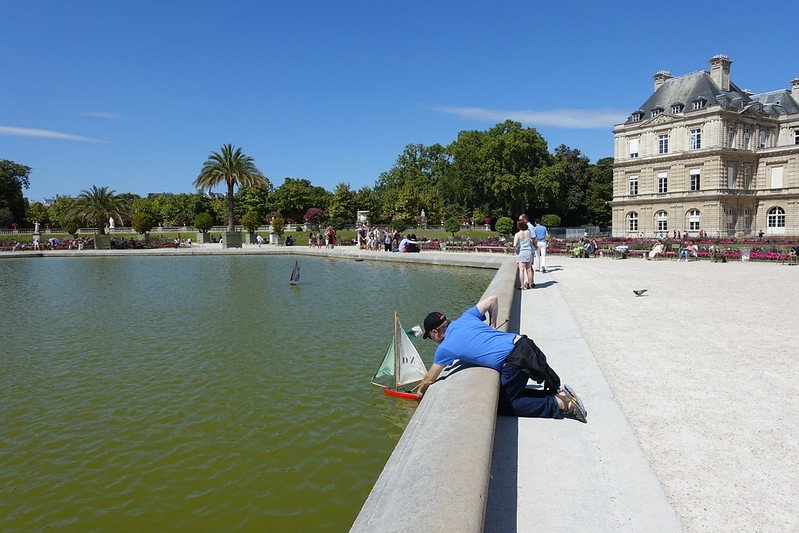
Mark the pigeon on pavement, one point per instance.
(639, 292)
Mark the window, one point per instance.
(662, 221)
(663, 182)
(730, 136)
(636, 117)
(676, 108)
(796, 137)
(633, 148)
(747, 220)
(696, 139)
(775, 218)
(632, 221)
(747, 177)
(776, 177)
(693, 220)
(730, 219)
(663, 143)
(694, 179)
(699, 104)
(763, 138)
(656, 112)
(730, 177)
(633, 185)
(747, 137)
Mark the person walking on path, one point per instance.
(514, 356)
(540, 232)
(523, 244)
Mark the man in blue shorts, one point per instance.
(515, 357)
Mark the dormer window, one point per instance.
(636, 117)
(676, 108)
(656, 112)
(699, 104)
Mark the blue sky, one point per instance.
(136, 95)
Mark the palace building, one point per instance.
(701, 154)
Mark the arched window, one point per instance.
(632, 221)
(775, 220)
(662, 221)
(693, 220)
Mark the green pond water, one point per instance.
(153, 393)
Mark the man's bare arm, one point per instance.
(429, 378)
(490, 307)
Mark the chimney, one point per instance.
(720, 71)
(795, 89)
(660, 77)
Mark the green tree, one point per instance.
(36, 212)
(575, 178)
(5, 217)
(142, 222)
(366, 199)
(296, 196)
(504, 225)
(494, 169)
(96, 206)
(233, 168)
(452, 225)
(251, 220)
(600, 192)
(204, 222)
(13, 178)
(342, 203)
(254, 199)
(58, 212)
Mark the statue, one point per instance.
(111, 222)
(36, 227)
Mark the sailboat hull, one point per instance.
(400, 394)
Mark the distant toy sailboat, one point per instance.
(401, 364)
(295, 274)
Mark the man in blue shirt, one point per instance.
(541, 251)
(515, 357)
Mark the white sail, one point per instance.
(401, 361)
(410, 364)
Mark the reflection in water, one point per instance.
(187, 391)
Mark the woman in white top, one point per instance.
(523, 244)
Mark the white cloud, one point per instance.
(12, 131)
(102, 114)
(555, 118)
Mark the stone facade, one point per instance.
(703, 155)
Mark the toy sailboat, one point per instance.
(401, 365)
(295, 274)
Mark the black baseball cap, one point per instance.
(431, 322)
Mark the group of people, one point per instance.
(529, 243)
(376, 238)
(317, 239)
(686, 252)
(584, 248)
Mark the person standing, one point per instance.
(540, 232)
(515, 357)
(523, 244)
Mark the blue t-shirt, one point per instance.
(471, 340)
(540, 232)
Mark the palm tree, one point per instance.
(97, 205)
(234, 168)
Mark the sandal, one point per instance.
(572, 405)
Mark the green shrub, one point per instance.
(203, 222)
(337, 223)
(278, 226)
(398, 225)
(70, 227)
(551, 221)
(452, 225)
(504, 226)
(250, 220)
(142, 222)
